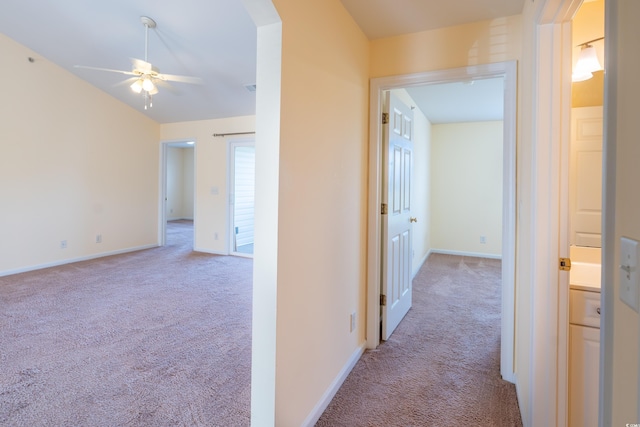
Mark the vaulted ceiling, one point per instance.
(214, 40)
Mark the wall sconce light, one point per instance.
(587, 62)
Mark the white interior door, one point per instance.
(396, 222)
(585, 192)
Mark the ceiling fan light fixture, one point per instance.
(148, 85)
(137, 86)
(144, 72)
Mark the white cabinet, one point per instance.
(584, 358)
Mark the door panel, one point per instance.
(397, 229)
(586, 176)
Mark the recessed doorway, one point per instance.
(507, 71)
(178, 185)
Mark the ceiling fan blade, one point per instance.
(127, 82)
(144, 66)
(128, 73)
(165, 85)
(181, 79)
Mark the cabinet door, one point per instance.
(584, 365)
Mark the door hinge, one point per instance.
(385, 118)
(383, 300)
(384, 209)
(565, 264)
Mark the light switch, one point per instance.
(629, 272)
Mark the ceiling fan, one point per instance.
(146, 78)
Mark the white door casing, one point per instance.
(508, 70)
(396, 223)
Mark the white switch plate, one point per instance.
(629, 272)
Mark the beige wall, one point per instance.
(624, 140)
(466, 197)
(75, 163)
(180, 180)
(471, 44)
(211, 214)
(588, 24)
(322, 201)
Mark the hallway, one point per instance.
(442, 365)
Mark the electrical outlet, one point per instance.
(353, 321)
(98, 238)
(483, 240)
(63, 244)
(215, 236)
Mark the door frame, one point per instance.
(231, 144)
(549, 297)
(507, 70)
(162, 202)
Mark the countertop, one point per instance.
(585, 276)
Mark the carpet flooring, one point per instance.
(162, 337)
(441, 367)
(152, 338)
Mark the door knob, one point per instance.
(413, 219)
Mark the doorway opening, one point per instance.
(242, 178)
(507, 72)
(178, 185)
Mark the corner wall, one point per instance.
(322, 204)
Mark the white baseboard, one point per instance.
(417, 267)
(319, 409)
(72, 260)
(209, 251)
(462, 253)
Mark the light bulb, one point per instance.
(148, 85)
(586, 65)
(136, 86)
